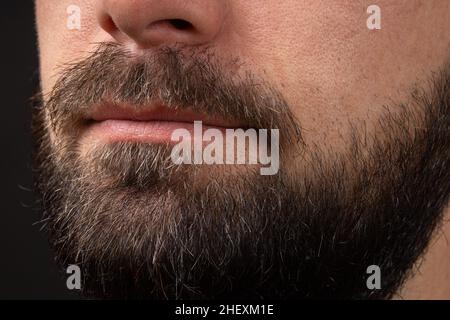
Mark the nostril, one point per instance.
(181, 24)
(171, 24)
(108, 24)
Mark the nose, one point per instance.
(149, 23)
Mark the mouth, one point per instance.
(154, 124)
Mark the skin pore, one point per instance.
(330, 69)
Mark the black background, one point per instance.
(27, 270)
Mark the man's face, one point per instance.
(364, 161)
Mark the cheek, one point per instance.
(303, 48)
(58, 43)
(331, 68)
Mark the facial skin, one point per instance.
(334, 80)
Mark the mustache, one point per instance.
(179, 78)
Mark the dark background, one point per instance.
(27, 270)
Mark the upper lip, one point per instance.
(155, 112)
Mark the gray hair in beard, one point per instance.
(240, 236)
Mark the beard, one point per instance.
(140, 227)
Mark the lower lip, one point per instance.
(139, 131)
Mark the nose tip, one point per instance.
(149, 23)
